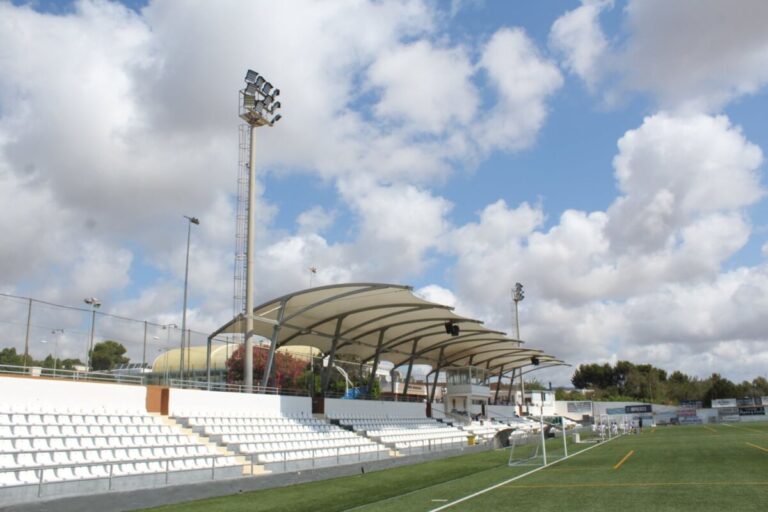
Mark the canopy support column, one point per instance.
(208, 360)
(331, 357)
(511, 386)
(410, 367)
(437, 373)
(498, 385)
(273, 347)
(375, 365)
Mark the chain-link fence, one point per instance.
(40, 329)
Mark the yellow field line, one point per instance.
(711, 429)
(627, 484)
(622, 461)
(758, 447)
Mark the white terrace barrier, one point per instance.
(47, 452)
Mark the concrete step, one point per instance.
(248, 469)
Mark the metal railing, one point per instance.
(231, 388)
(433, 445)
(316, 455)
(58, 373)
(40, 471)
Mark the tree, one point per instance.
(719, 387)
(288, 369)
(535, 385)
(594, 376)
(107, 354)
(10, 357)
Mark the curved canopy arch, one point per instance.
(375, 321)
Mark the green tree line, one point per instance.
(105, 355)
(626, 381)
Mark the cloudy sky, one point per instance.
(609, 155)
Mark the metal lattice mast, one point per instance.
(257, 108)
(241, 227)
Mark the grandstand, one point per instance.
(62, 438)
(76, 435)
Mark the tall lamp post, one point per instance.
(195, 221)
(168, 328)
(95, 304)
(58, 333)
(517, 296)
(257, 108)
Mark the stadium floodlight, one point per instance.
(518, 293)
(196, 222)
(251, 90)
(95, 304)
(257, 108)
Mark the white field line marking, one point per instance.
(392, 498)
(518, 477)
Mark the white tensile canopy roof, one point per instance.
(383, 322)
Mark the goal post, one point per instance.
(531, 448)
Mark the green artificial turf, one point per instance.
(691, 468)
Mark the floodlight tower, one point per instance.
(257, 108)
(517, 296)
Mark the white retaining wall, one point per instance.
(191, 400)
(60, 394)
(335, 407)
(501, 411)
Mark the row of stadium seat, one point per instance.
(243, 420)
(194, 413)
(262, 429)
(409, 433)
(83, 430)
(387, 421)
(76, 443)
(47, 409)
(273, 438)
(58, 458)
(486, 430)
(75, 419)
(423, 431)
(94, 471)
(373, 417)
(303, 445)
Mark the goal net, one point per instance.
(546, 442)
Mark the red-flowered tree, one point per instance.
(288, 368)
